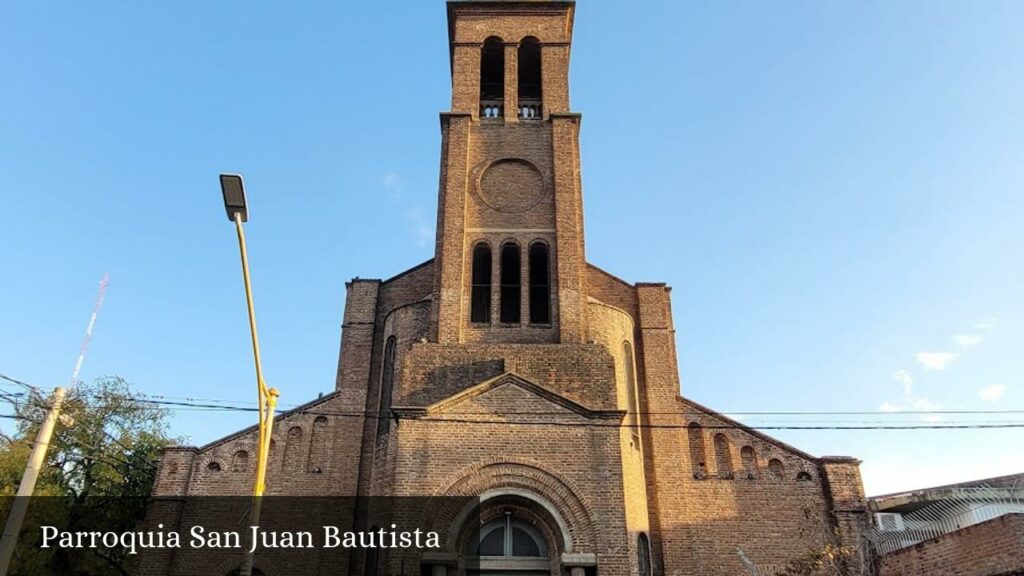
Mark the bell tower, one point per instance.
(509, 260)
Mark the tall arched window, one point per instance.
(292, 461)
(480, 299)
(698, 457)
(511, 286)
(632, 407)
(775, 469)
(749, 462)
(540, 284)
(387, 377)
(643, 554)
(529, 78)
(723, 456)
(318, 447)
(492, 78)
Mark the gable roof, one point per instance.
(753, 432)
(300, 409)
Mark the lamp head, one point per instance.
(234, 196)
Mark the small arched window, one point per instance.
(540, 284)
(749, 462)
(387, 380)
(698, 457)
(723, 456)
(508, 536)
(803, 477)
(213, 466)
(511, 286)
(492, 78)
(480, 298)
(643, 555)
(776, 469)
(632, 404)
(529, 78)
(240, 461)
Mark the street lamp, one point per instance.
(238, 212)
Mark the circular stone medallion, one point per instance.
(511, 185)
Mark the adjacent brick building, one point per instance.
(991, 548)
(509, 367)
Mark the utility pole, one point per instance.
(28, 481)
(9, 540)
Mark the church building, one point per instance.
(510, 368)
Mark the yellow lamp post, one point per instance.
(238, 212)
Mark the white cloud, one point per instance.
(987, 324)
(904, 378)
(925, 405)
(935, 360)
(421, 228)
(423, 231)
(966, 340)
(992, 393)
(888, 407)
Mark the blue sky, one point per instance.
(833, 189)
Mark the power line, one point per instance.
(370, 414)
(237, 405)
(859, 426)
(717, 426)
(240, 404)
(28, 387)
(93, 450)
(189, 404)
(151, 399)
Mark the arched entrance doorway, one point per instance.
(510, 496)
(513, 536)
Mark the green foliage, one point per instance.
(99, 473)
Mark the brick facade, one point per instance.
(572, 421)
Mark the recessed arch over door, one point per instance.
(511, 531)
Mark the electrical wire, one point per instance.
(192, 404)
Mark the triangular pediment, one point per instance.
(511, 389)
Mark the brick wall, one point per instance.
(584, 373)
(992, 548)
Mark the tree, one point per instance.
(99, 472)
